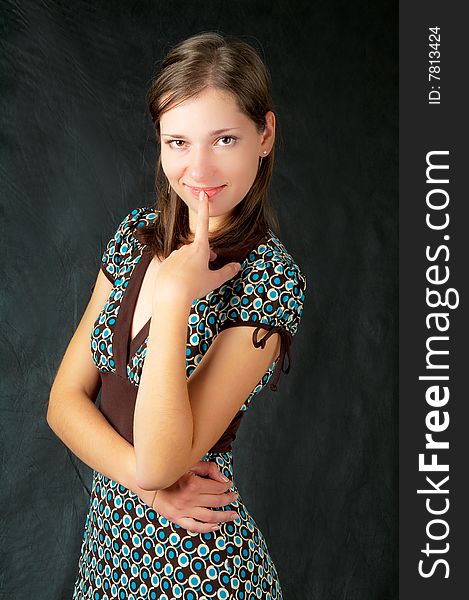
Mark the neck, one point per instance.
(214, 223)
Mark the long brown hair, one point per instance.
(210, 60)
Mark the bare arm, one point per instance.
(72, 414)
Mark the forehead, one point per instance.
(211, 109)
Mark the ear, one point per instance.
(268, 137)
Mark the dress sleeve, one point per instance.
(120, 246)
(123, 243)
(268, 297)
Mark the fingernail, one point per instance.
(215, 527)
(224, 478)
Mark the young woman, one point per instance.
(192, 314)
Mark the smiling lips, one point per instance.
(209, 191)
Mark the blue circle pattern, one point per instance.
(131, 551)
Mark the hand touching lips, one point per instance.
(185, 275)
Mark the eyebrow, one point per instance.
(216, 132)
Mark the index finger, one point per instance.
(201, 228)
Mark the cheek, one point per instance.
(244, 172)
(169, 165)
(243, 168)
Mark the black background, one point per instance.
(316, 462)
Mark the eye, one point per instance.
(228, 137)
(169, 142)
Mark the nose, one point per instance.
(201, 166)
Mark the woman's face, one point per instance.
(206, 142)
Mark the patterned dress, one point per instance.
(129, 550)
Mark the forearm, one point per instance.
(163, 423)
(84, 429)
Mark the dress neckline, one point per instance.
(124, 347)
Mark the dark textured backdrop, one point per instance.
(317, 461)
